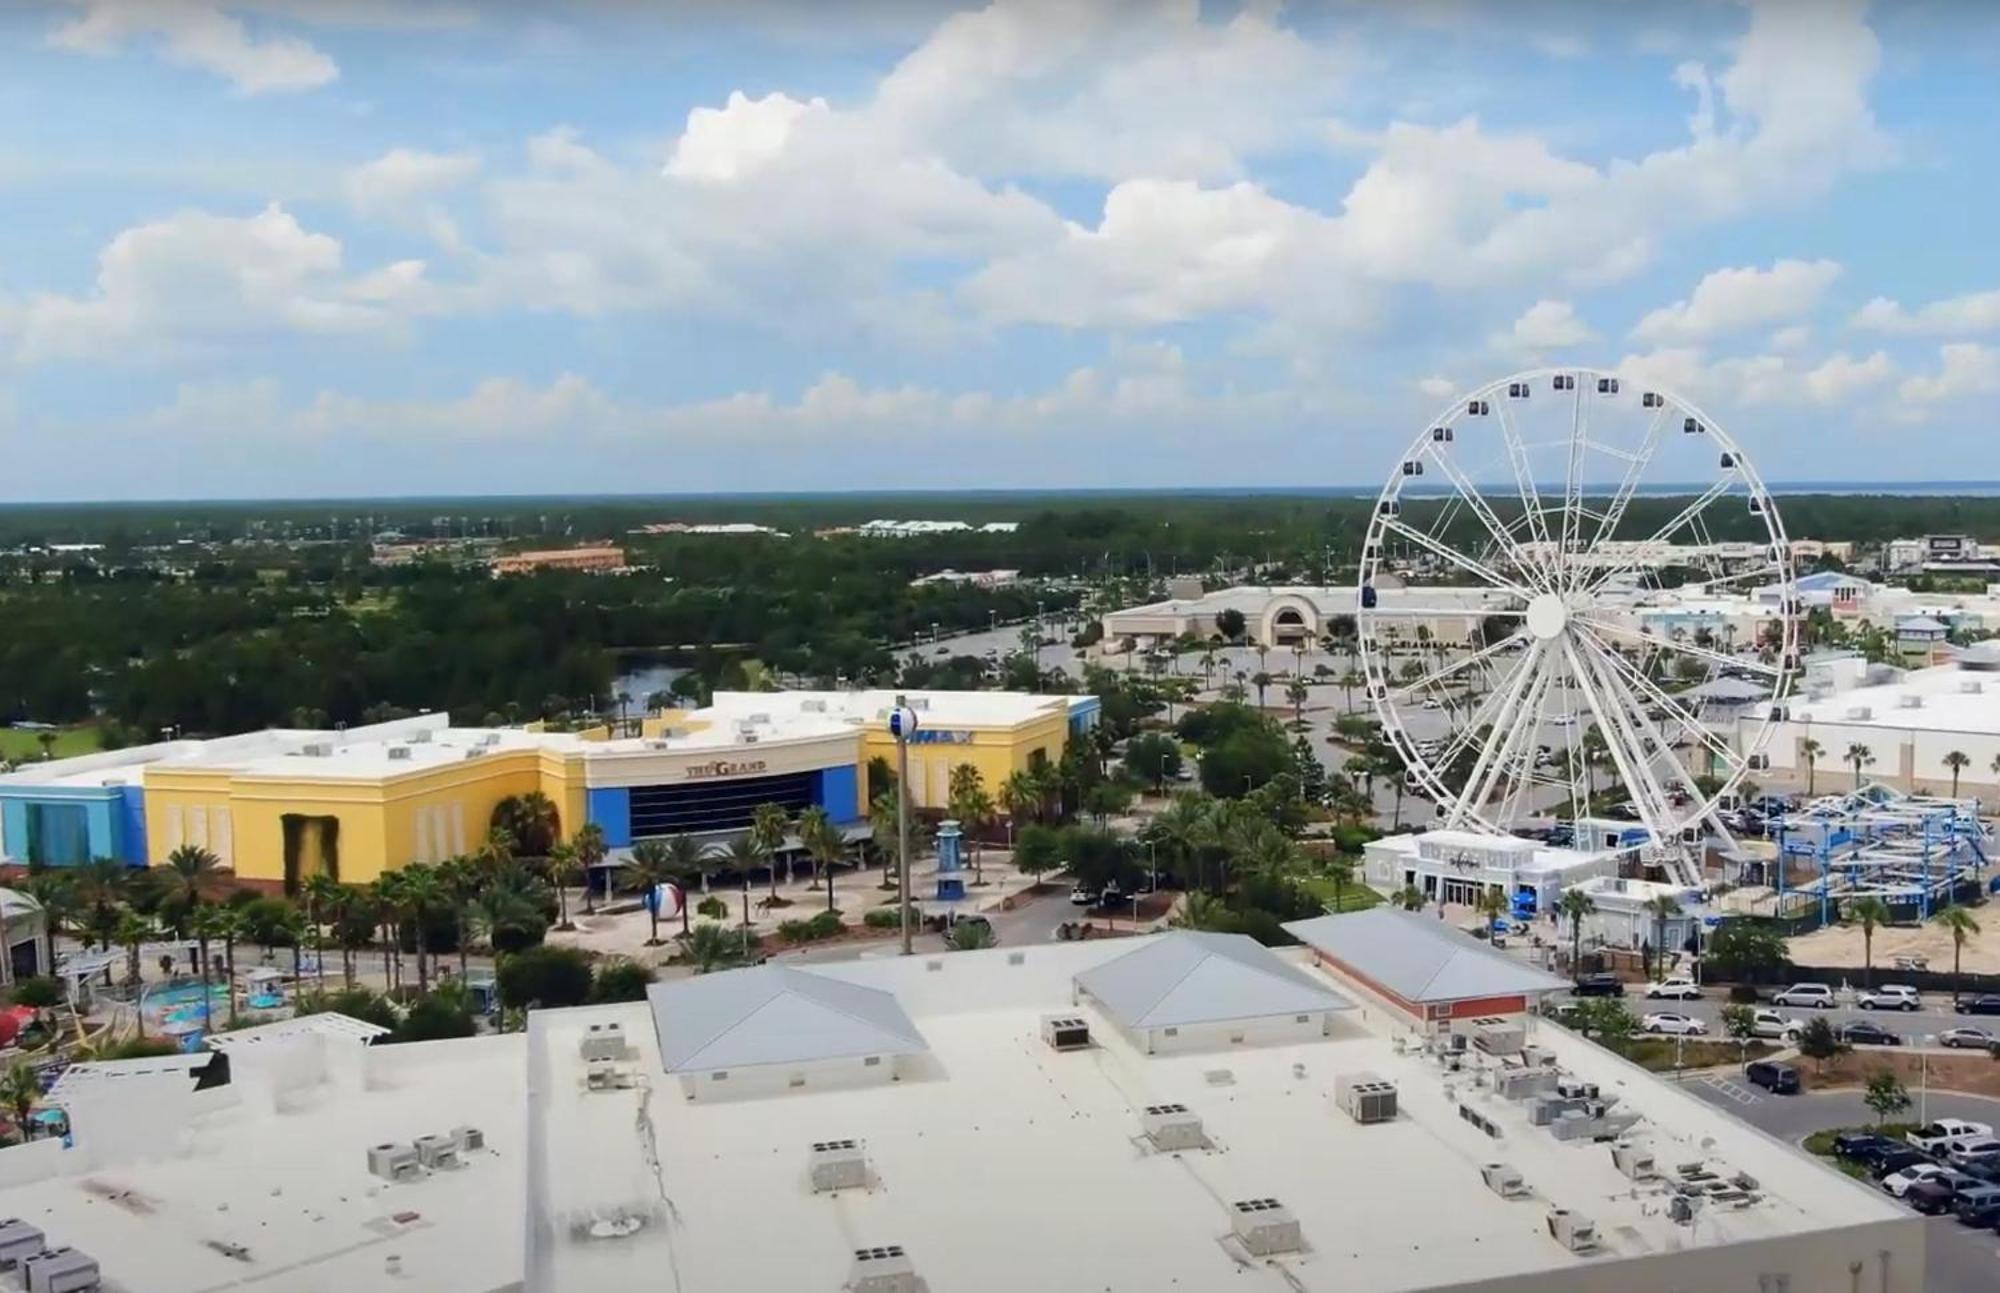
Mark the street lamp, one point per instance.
(903, 725)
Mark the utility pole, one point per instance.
(902, 725)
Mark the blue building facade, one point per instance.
(720, 805)
(62, 826)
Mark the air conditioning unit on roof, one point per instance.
(392, 1162)
(437, 1151)
(421, 737)
(317, 750)
(837, 1165)
(1499, 1036)
(1633, 1162)
(1265, 1227)
(1503, 1180)
(18, 1240)
(1173, 1127)
(1366, 1097)
(603, 1041)
(61, 1270)
(884, 1269)
(1066, 1032)
(1572, 1230)
(399, 753)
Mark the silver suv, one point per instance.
(1816, 995)
(1890, 996)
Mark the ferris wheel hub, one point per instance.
(1548, 616)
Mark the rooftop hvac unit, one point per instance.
(603, 1042)
(1265, 1227)
(1570, 1088)
(489, 738)
(1173, 1127)
(477, 752)
(1572, 1230)
(1366, 1097)
(1521, 1084)
(437, 1152)
(838, 1165)
(748, 737)
(1503, 1180)
(918, 702)
(60, 1270)
(18, 1241)
(1633, 1162)
(1861, 713)
(317, 750)
(1499, 1036)
(469, 1139)
(886, 1269)
(393, 1162)
(1066, 1032)
(422, 737)
(1971, 686)
(399, 752)
(1911, 701)
(812, 707)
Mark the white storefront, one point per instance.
(1460, 866)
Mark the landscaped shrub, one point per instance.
(795, 931)
(826, 925)
(712, 908)
(883, 918)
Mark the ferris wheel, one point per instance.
(1574, 591)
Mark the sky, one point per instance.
(312, 248)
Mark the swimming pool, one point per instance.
(180, 1003)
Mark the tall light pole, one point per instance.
(902, 725)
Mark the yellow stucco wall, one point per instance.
(998, 753)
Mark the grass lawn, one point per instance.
(1821, 1143)
(1657, 1054)
(1354, 896)
(17, 746)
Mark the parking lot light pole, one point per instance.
(903, 724)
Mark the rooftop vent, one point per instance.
(1066, 1032)
(18, 1241)
(1910, 700)
(399, 753)
(421, 737)
(886, 1269)
(489, 738)
(1861, 713)
(1503, 1180)
(838, 1165)
(1366, 1097)
(812, 707)
(469, 1138)
(317, 749)
(1572, 1230)
(60, 1270)
(1633, 1161)
(603, 1042)
(477, 752)
(1265, 1227)
(437, 1152)
(393, 1162)
(1498, 1036)
(1971, 686)
(1173, 1127)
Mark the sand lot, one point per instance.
(1842, 945)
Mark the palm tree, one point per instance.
(1019, 795)
(207, 924)
(973, 808)
(1957, 761)
(1260, 680)
(100, 886)
(532, 820)
(463, 878)
(131, 931)
(1859, 756)
(826, 843)
(650, 866)
(812, 820)
(1203, 911)
(507, 904)
(291, 931)
(1662, 907)
(19, 1091)
(60, 906)
(709, 948)
(591, 850)
(387, 894)
(1575, 904)
(354, 921)
(423, 896)
(1810, 750)
(1957, 922)
(1493, 905)
(769, 824)
(323, 896)
(743, 855)
(1341, 871)
(229, 928)
(192, 875)
(1409, 898)
(1868, 912)
(1348, 682)
(564, 871)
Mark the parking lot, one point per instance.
(1914, 1028)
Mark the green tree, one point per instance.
(1859, 756)
(1037, 850)
(1340, 870)
(591, 850)
(1868, 912)
(19, 1091)
(1739, 1022)
(1662, 907)
(1810, 750)
(531, 820)
(1574, 906)
(1885, 1095)
(1957, 761)
(1749, 950)
(423, 898)
(1959, 923)
(1409, 898)
(1819, 1043)
(651, 865)
(322, 896)
(744, 855)
(545, 977)
(1230, 623)
(974, 809)
(620, 980)
(970, 936)
(769, 824)
(1493, 905)
(564, 870)
(710, 948)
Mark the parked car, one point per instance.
(1890, 996)
(1778, 1079)
(1936, 1137)
(1900, 1182)
(1677, 988)
(1978, 1206)
(1976, 1038)
(1816, 995)
(1863, 1032)
(1769, 1023)
(1891, 1163)
(1866, 1147)
(1598, 985)
(1932, 1198)
(1082, 896)
(1976, 1149)
(1673, 1025)
(1986, 1003)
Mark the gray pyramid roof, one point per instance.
(1186, 977)
(1419, 958)
(774, 1014)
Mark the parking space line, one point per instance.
(1734, 1091)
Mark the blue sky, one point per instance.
(311, 247)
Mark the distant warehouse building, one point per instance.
(601, 559)
(1282, 615)
(280, 806)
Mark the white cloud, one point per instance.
(196, 279)
(404, 177)
(1729, 300)
(1436, 387)
(199, 34)
(1972, 312)
(744, 135)
(1840, 377)
(1748, 380)
(1545, 325)
(1963, 369)
(1561, 45)
(1792, 338)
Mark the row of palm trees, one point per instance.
(1859, 756)
(685, 861)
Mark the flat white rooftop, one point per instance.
(1945, 696)
(1002, 1163)
(935, 709)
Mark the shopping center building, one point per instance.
(278, 806)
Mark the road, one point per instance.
(1911, 1026)
(1958, 1259)
(1031, 922)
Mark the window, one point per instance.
(58, 834)
(720, 1075)
(1301, 1019)
(873, 1061)
(720, 805)
(1170, 1032)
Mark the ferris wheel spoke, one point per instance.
(1518, 741)
(1635, 470)
(1566, 576)
(1524, 481)
(1463, 663)
(1681, 648)
(1470, 565)
(1523, 681)
(1663, 536)
(1627, 753)
(1502, 533)
(1676, 713)
(1486, 713)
